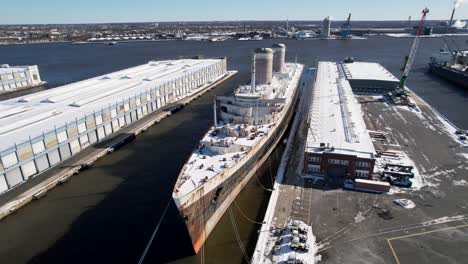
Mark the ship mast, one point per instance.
(214, 114)
(252, 88)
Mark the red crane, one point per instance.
(414, 49)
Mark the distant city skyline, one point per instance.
(119, 11)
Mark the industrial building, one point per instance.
(18, 77)
(368, 77)
(326, 27)
(40, 130)
(338, 144)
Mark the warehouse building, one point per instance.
(368, 77)
(40, 130)
(338, 144)
(18, 77)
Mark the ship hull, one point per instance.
(457, 77)
(202, 215)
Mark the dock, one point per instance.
(365, 227)
(38, 186)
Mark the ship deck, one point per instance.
(204, 164)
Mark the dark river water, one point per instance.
(107, 214)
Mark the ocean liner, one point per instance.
(247, 127)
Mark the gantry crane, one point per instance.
(346, 28)
(414, 50)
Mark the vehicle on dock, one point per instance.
(367, 185)
(400, 181)
(293, 260)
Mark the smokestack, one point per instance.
(263, 66)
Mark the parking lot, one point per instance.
(357, 227)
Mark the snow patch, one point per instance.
(405, 203)
(359, 217)
(465, 155)
(460, 183)
(445, 219)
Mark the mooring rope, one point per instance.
(236, 233)
(246, 217)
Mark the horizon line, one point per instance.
(214, 21)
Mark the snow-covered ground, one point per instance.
(407, 35)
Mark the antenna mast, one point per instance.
(252, 89)
(214, 113)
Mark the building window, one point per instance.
(362, 174)
(338, 162)
(313, 168)
(314, 159)
(363, 164)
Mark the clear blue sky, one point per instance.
(92, 11)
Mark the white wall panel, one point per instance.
(115, 125)
(65, 151)
(108, 128)
(121, 121)
(101, 133)
(92, 137)
(54, 156)
(62, 136)
(38, 147)
(9, 160)
(84, 141)
(13, 177)
(29, 169)
(42, 163)
(75, 146)
(3, 184)
(81, 127)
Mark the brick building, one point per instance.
(338, 144)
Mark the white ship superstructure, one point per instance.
(247, 127)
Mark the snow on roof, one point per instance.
(336, 116)
(33, 114)
(5, 68)
(367, 71)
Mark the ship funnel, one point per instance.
(263, 66)
(279, 57)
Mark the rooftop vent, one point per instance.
(322, 146)
(47, 100)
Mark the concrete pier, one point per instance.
(38, 186)
(370, 228)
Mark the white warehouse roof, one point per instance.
(368, 71)
(336, 116)
(31, 115)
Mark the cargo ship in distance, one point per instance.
(451, 65)
(247, 127)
